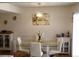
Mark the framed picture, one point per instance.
(40, 19)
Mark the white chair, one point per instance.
(45, 51)
(58, 50)
(35, 49)
(19, 41)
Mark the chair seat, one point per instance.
(53, 52)
(45, 55)
(41, 53)
(25, 50)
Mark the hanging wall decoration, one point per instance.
(40, 19)
(5, 22)
(14, 18)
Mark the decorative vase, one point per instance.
(39, 36)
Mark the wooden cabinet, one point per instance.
(65, 44)
(6, 41)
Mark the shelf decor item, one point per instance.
(40, 19)
(58, 35)
(68, 34)
(62, 34)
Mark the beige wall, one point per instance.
(60, 19)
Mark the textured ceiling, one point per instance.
(37, 4)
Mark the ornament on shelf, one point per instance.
(5, 22)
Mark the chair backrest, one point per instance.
(19, 42)
(59, 44)
(45, 51)
(36, 49)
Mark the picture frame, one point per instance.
(43, 20)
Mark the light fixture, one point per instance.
(38, 4)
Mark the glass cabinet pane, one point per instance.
(1, 41)
(7, 40)
(66, 49)
(66, 44)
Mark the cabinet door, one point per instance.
(66, 47)
(1, 41)
(65, 44)
(7, 41)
